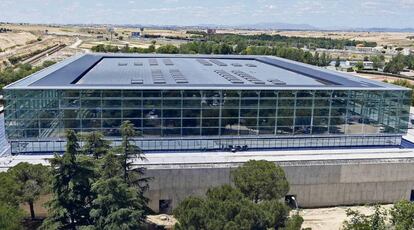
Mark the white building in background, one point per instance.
(368, 65)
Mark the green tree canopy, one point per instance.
(261, 180)
(33, 180)
(73, 175)
(227, 207)
(402, 215)
(10, 217)
(95, 145)
(116, 205)
(8, 190)
(359, 221)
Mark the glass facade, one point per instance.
(209, 119)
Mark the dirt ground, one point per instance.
(9, 40)
(379, 77)
(331, 218)
(317, 218)
(381, 38)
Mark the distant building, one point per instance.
(135, 34)
(368, 65)
(211, 31)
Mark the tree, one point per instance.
(73, 175)
(294, 223)
(378, 61)
(116, 206)
(95, 145)
(396, 65)
(337, 62)
(222, 206)
(8, 190)
(227, 207)
(359, 65)
(129, 152)
(261, 180)
(10, 217)
(168, 49)
(402, 215)
(33, 180)
(359, 221)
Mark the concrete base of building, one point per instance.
(312, 185)
(347, 180)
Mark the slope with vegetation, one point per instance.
(12, 74)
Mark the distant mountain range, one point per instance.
(291, 26)
(261, 26)
(278, 26)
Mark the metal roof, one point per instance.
(157, 71)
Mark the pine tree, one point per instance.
(33, 180)
(129, 152)
(95, 145)
(117, 205)
(73, 175)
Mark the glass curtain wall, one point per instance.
(37, 114)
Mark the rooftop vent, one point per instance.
(122, 64)
(153, 61)
(137, 81)
(229, 77)
(167, 61)
(157, 76)
(250, 65)
(236, 64)
(204, 62)
(248, 77)
(217, 62)
(178, 76)
(276, 82)
(138, 64)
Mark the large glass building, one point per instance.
(203, 103)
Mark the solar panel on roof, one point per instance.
(178, 76)
(229, 77)
(248, 77)
(217, 62)
(167, 61)
(276, 82)
(157, 76)
(137, 81)
(152, 61)
(204, 62)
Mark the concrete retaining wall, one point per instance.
(315, 185)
